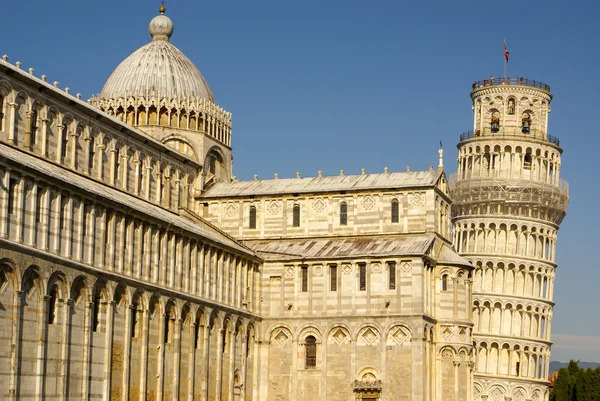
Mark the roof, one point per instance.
(157, 69)
(324, 184)
(342, 248)
(128, 202)
(448, 256)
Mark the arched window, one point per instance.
(343, 214)
(525, 123)
(1, 112)
(296, 222)
(52, 305)
(495, 122)
(252, 222)
(395, 211)
(311, 352)
(96, 314)
(362, 269)
(33, 126)
(445, 282)
(527, 161)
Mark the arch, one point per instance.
(296, 215)
(343, 213)
(395, 212)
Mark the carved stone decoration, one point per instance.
(281, 337)
(289, 271)
(319, 204)
(447, 332)
(497, 393)
(318, 270)
(406, 266)
(519, 394)
(416, 199)
(376, 267)
(368, 336)
(231, 209)
(368, 202)
(397, 335)
(347, 268)
(274, 208)
(462, 333)
(338, 336)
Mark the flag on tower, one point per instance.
(506, 53)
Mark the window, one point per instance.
(52, 306)
(304, 270)
(527, 161)
(333, 277)
(134, 321)
(96, 314)
(33, 126)
(12, 194)
(495, 122)
(252, 222)
(395, 211)
(296, 216)
(362, 267)
(525, 123)
(445, 282)
(311, 352)
(1, 111)
(343, 214)
(38, 206)
(167, 323)
(392, 275)
(91, 161)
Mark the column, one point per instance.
(113, 160)
(4, 195)
(244, 335)
(63, 388)
(110, 309)
(176, 358)
(57, 217)
(144, 357)
(205, 358)
(87, 349)
(100, 164)
(41, 348)
(80, 232)
(33, 227)
(127, 351)
(13, 385)
(161, 356)
(232, 344)
(68, 228)
(219, 371)
(136, 184)
(192, 360)
(20, 208)
(44, 137)
(12, 122)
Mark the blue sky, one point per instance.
(347, 84)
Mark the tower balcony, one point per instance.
(520, 192)
(509, 133)
(521, 81)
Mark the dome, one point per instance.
(157, 68)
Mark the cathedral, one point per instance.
(135, 266)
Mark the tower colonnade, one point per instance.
(509, 201)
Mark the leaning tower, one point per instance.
(509, 201)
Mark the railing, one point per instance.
(512, 132)
(491, 81)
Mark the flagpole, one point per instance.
(504, 57)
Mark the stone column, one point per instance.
(206, 359)
(73, 163)
(161, 357)
(63, 384)
(232, 344)
(192, 360)
(15, 368)
(68, 228)
(20, 208)
(100, 163)
(41, 349)
(87, 350)
(44, 137)
(127, 351)
(219, 367)
(12, 111)
(176, 358)
(144, 357)
(110, 310)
